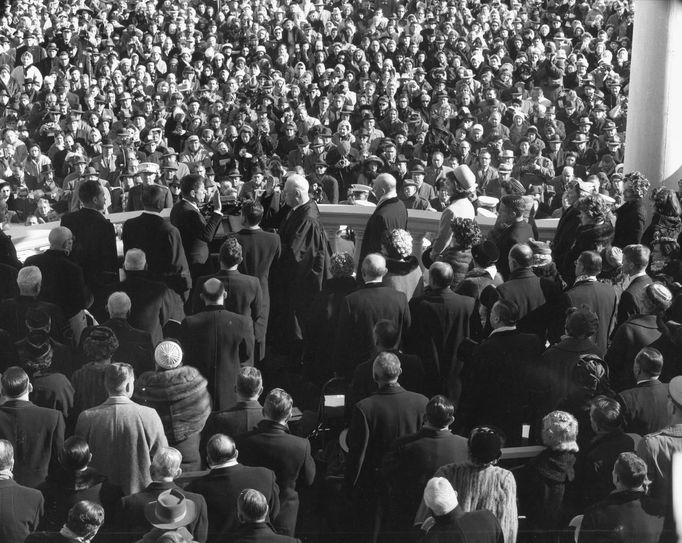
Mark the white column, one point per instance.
(654, 129)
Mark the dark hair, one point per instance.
(249, 381)
(189, 183)
(630, 469)
(14, 381)
(606, 413)
(650, 361)
(85, 517)
(252, 504)
(231, 252)
(507, 312)
(278, 404)
(116, 375)
(638, 255)
(153, 197)
(386, 334)
(666, 202)
(89, 190)
(220, 448)
(252, 212)
(75, 454)
(440, 410)
(591, 262)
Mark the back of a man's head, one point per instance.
(505, 312)
(153, 197)
(386, 334)
(135, 260)
(385, 183)
(118, 305)
(6, 455)
(630, 470)
(189, 183)
(88, 191)
(373, 267)
(249, 382)
(440, 275)
(252, 506)
(649, 361)
(440, 411)
(85, 518)
(213, 291)
(75, 454)
(637, 256)
(117, 377)
(58, 237)
(386, 368)
(252, 213)
(230, 252)
(520, 256)
(605, 414)
(220, 449)
(29, 281)
(278, 405)
(590, 262)
(14, 382)
(166, 464)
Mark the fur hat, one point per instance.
(560, 431)
(99, 343)
(582, 322)
(168, 355)
(542, 252)
(439, 496)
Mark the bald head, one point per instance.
(520, 256)
(61, 239)
(385, 185)
(118, 305)
(135, 260)
(373, 268)
(220, 449)
(213, 292)
(296, 190)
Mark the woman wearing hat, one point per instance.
(404, 274)
(547, 488)
(179, 395)
(481, 484)
(631, 216)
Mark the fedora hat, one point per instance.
(170, 510)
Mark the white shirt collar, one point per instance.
(156, 213)
(227, 464)
(503, 329)
(635, 276)
(492, 271)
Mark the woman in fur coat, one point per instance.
(179, 395)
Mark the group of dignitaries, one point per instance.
(119, 389)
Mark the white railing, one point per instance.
(32, 239)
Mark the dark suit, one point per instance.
(13, 317)
(472, 527)
(270, 445)
(517, 232)
(94, 249)
(37, 434)
(360, 311)
(631, 221)
(132, 517)
(196, 233)
(564, 238)
(63, 282)
(260, 250)
(628, 516)
(243, 296)
(260, 533)
(630, 337)
(524, 288)
(389, 214)
(441, 320)
(221, 487)
(646, 407)
(153, 304)
(410, 463)
(234, 421)
(363, 384)
(502, 367)
(134, 346)
(600, 298)
(8, 281)
(135, 198)
(220, 343)
(631, 301)
(162, 244)
(20, 511)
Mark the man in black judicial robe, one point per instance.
(303, 265)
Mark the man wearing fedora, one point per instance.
(172, 511)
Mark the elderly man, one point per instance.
(303, 265)
(150, 174)
(635, 262)
(390, 213)
(252, 512)
(120, 420)
(21, 508)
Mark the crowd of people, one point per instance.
(166, 396)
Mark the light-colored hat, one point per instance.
(168, 355)
(560, 431)
(148, 167)
(439, 496)
(675, 390)
(466, 179)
